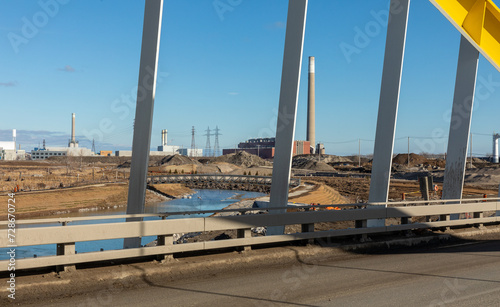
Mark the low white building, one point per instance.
(169, 149)
(191, 152)
(8, 150)
(44, 153)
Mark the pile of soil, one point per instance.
(330, 159)
(226, 167)
(335, 159)
(414, 159)
(305, 163)
(177, 160)
(125, 164)
(243, 158)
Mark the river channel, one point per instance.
(200, 200)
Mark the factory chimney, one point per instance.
(73, 142)
(311, 133)
(73, 128)
(164, 137)
(495, 147)
(14, 137)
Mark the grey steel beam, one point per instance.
(461, 116)
(144, 112)
(287, 112)
(388, 104)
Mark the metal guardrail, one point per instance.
(219, 178)
(66, 236)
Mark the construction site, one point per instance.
(60, 185)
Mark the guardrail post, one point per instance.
(478, 215)
(498, 211)
(361, 224)
(308, 228)
(244, 233)
(65, 249)
(405, 220)
(165, 240)
(445, 217)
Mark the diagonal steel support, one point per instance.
(461, 116)
(144, 112)
(388, 104)
(287, 112)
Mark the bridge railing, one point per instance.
(65, 236)
(223, 178)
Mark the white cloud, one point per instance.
(67, 68)
(8, 84)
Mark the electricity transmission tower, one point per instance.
(193, 144)
(207, 146)
(216, 145)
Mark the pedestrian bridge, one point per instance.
(216, 178)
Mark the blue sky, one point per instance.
(225, 70)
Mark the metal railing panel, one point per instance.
(80, 233)
(260, 220)
(440, 209)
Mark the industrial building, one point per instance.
(106, 153)
(72, 150)
(264, 147)
(165, 150)
(8, 149)
(191, 152)
(47, 152)
(164, 147)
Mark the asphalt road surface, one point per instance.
(466, 274)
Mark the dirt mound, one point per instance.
(414, 159)
(242, 158)
(177, 160)
(305, 163)
(335, 159)
(324, 158)
(125, 164)
(226, 167)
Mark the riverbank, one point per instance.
(307, 193)
(94, 197)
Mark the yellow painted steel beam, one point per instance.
(478, 21)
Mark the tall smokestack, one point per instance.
(495, 147)
(311, 131)
(73, 140)
(14, 137)
(164, 137)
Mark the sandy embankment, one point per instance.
(99, 196)
(308, 193)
